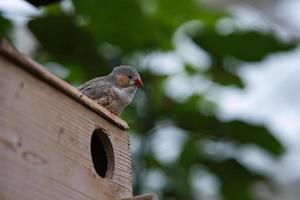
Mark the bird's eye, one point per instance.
(130, 76)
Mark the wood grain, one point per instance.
(45, 138)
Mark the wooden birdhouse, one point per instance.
(56, 143)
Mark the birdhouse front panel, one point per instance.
(55, 143)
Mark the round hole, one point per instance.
(102, 154)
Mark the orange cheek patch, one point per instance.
(123, 80)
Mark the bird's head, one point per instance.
(126, 76)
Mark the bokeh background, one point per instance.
(218, 116)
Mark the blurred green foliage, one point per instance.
(78, 39)
(5, 27)
(246, 46)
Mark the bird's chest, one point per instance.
(125, 97)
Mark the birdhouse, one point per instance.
(56, 143)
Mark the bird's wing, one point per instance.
(96, 88)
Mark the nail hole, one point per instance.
(102, 154)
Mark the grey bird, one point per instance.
(114, 91)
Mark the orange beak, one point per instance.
(138, 82)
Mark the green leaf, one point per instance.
(5, 27)
(245, 133)
(174, 13)
(222, 76)
(122, 23)
(247, 46)
(140, 25)
(188, 116)
(68, 44)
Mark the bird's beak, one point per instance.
(138, 82)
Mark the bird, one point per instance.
(114, 91)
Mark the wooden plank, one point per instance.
(40, 72)
(45, 139)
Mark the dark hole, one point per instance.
(102, 154)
